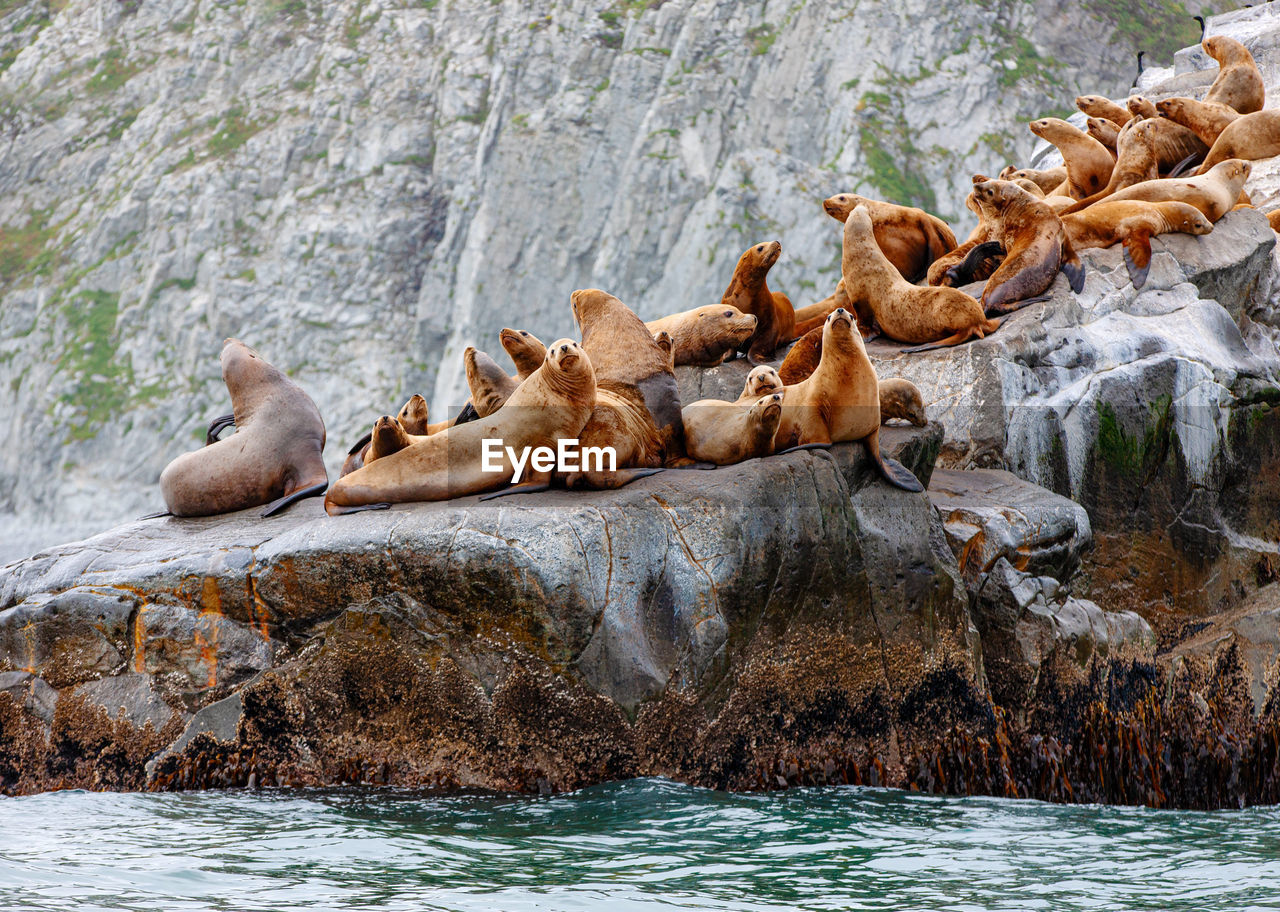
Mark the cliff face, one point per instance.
(361, 189)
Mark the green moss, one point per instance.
(26, 251)
(761, 38)
(893, 162)
(112, 71)
(1158, 27)
(117, 127)
(1128, 453)
(233, 131)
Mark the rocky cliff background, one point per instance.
(360, 189)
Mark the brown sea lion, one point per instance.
(1137, 162)
(1214, 193)
(1029, 186)
(901, 399)
(624, 354)
(1206, 121)
(910, 238)
(1101, 106)
(1176, 147)
(840, 400)
(906, 312)
(1239, 84)
(1133, 223)
(760, 381)
(803, 357)
(1087, 161)
(960, 266)
(1035, 244)
(388, 436)
(525, 350)
(1103, 130)
(749, 292)
(1250, 137)
(490, 385)
(274, 458)
(1273, 219)
(412, 418)
(553, 404)
(619, 421)
(725, 433)
(704, 335)
(1047, 180)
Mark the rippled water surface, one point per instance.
(646, 844)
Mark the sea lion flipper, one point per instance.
(468, 413)
(1137, 257)
(895, 472)
(334, 510)
(804, 446)
(217, 426)
(529, 487)
(277, 506)
(361, 443)
(1183, 166)
(154, 515)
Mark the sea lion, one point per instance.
(1088, 162)
(274, 458)
(1273, 219)
(1214, 193)
(1035, 244)
(1137, 161)
(901, 399)
(803, 357)
(1103, 130)
(1101, 106)
(910, 238)
(388, 436)
(704, 335)
(1029, 186)
(957, 267)
(1175, 146)
(412, 419)
(1206, 121)
(906, 312)
(525, 350)
(749, 292)
(840, 400)
(1239, 84)
(625, 354)
(620, 421)
(761, 381)
(1250, 137)
(553, 404)
(1133, 223)
(1047, 180)
(490, 385)
(724, 433)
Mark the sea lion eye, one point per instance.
(728, 313)
(523, 333)
(760, 249)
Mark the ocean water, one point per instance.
(639, 845)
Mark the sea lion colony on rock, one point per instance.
(900, 272)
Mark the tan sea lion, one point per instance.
(725, 433)
(1047, 180)
(1273, 219)
(620, 421)
(840, 400)
(1250, 137)
(1103, 130)
(490, 385)
(1176, 147)
(1239, 84)
(525, 350)
(1137, 161)
(625, 355)
(1206, 121)
(553, 404)
(704, 335)
(961, 266)
(910, 238)
(761, 381)
(1088, 162)
(803, 358)
(412, 418)
(1035, 244)
(274, 458)
(388, 436)
(901, 399)
(1132, 223)
(1214, 193)
(1101, 106)
(906, 312)
(1029, 186)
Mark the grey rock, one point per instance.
(990, 514)
(31, 693)
(132, 696)
(67, 636)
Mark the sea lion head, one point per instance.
(1050, 127)
(243, 368)
(840, 205)
(1144, 132)
(413, 415)
(993, 195)
(525, 349)
(589, 304)
(1140, 107)
(388, 437)
(1008, 172)
(840, 328)
(1087, 104)
(1171, 108)
(1187, 219)
(567, 357)
(730, 321)
(1233, 169)
(767, 412)
(759, 259)
(901, 399)
(1225, 50)
(761, 381)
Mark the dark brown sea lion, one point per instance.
(749, 292)
(274, 458)
(840, 400)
